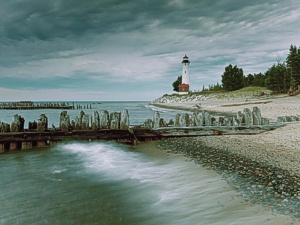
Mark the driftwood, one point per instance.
(213, 130)
(246, 103)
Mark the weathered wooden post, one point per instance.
(177, 118)
(198, 119)
(115, 119)
(13, 145)
(18, 124)
(162, 122)
(77, 123)
(42, 123)
(64, 122)
(95, 120)
(26, 145)
(207, 119)
(171, 122)
(104, 119)
(156, 119)
(187, 119)
(256, 116)
(124, 123)
(148, 124)
(248, 117)
(81, 115)
(2, 149)
(85, 122)
(214, 121)
(4, 127)
(182, 120)
(41, 144)
(32, 125)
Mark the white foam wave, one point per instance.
(110, 159)
(58, 171)
(181, 190)
(155, 108)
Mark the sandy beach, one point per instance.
(278, 147)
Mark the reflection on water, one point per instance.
(109, 183)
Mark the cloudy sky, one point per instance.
(132, 49)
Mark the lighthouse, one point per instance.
(185, 84)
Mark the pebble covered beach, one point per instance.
(263, 168)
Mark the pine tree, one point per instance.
(176, 83)
(293, 63)
(232, 78)
(276, 77)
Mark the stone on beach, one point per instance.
(266, 182)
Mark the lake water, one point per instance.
(110, 183)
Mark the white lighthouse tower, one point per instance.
(185, 84)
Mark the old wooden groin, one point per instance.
(103, 125)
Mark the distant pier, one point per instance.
(29, 105)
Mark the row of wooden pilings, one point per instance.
(99, 120)
(205, 118)
(120, 120)
(115, 126)
(14, 137)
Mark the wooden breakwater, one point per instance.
(103, 125)
(29, 105)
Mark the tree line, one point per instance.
(279, 78)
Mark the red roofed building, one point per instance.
(183, 88)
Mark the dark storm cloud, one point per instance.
(66, 19)
(46, 20)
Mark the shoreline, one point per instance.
(189, 108)
(279, 146)
(258, 182)
(271, 107)
(267, 162)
